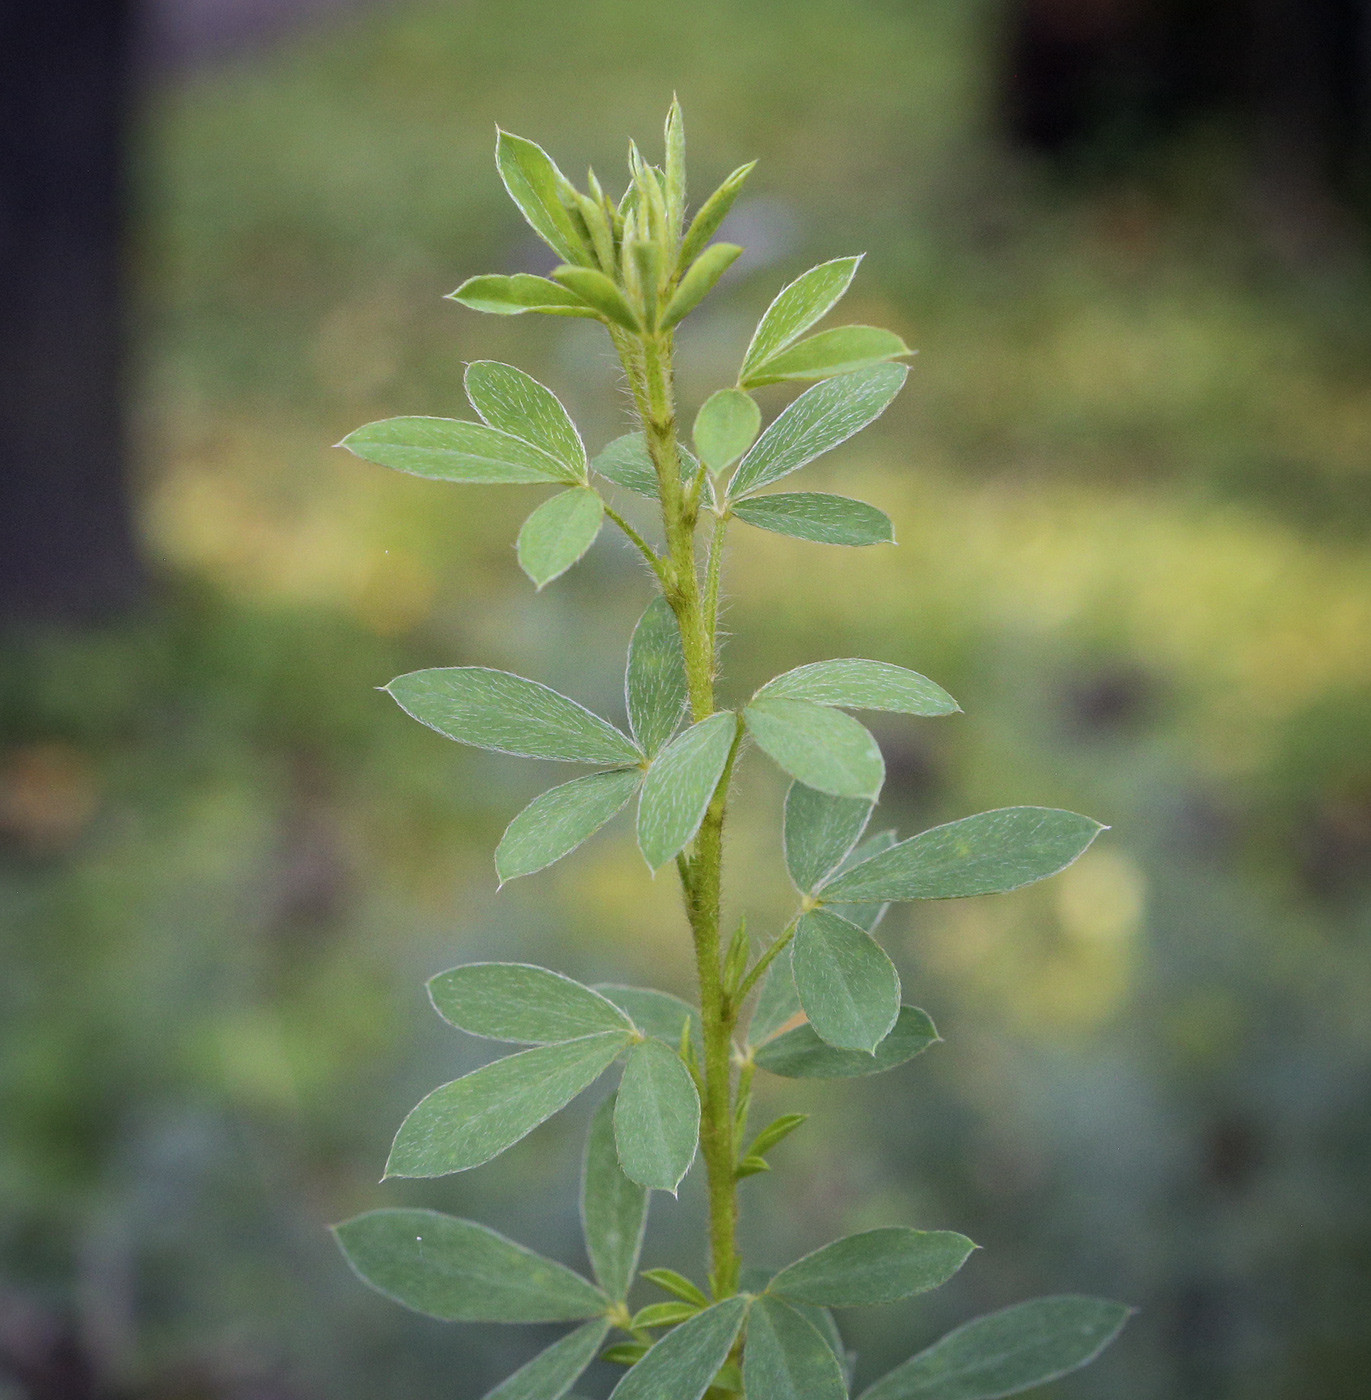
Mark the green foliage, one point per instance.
(494, 710)
(655, 686)
(472, 1119)
(656, 1117)
(786, 1358)
(821, 419)
(448, 449)
(816, 516)
(558, 533)
(679, 785)
(827, 994)
(558, 820)
(459, 1271)
(682, 1365)
(992, 853)
(819, 747)
(725, 427)
(800, 1054)
(848, 986)
(528, 1005)
(862, 685)
(1006, 1352)
(819, 833)
(553, 1372)
(878, 1266)
(613, 1208)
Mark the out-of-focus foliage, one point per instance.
(1131, 487)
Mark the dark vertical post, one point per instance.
(67, 546)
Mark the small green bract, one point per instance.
(818, 999)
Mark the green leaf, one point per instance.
(656, 1117)
(680, 784)
(613, 1208)
(848, 986)
(674, 144)
(839, 351)
(701, 278)
(877, 1266)
(448, 449)
(1006, 1352)
(599, 291)
(866, 916)
(682, 1365)
(557, 821)
(626, 463)
(515, 403)
(785, 1357)
(553, 1372)
(863, 685)
(990, 853)
(459, 1271)
(626, 1353)
(495, 710)
(818, 421)
(800, 1054)
(816, 516)
(533, 182)
(820, 747)
(663, 1314)
(523, 1003)
(677, 1284)
(558, 533)
(655, 686)
(656, 1013)
(820, 830)
(512, 296)
(775, 1132)
(711, 214)
(777, 1003)
(475, 1118)
(795, 309)
(725, 427)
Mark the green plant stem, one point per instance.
(765, 961)
(635, 538)
(647, 361)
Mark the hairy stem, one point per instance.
(647, 361)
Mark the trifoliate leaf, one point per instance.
(655, 1013)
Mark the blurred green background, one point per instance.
(1131, 479)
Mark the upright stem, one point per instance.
(647, 361)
